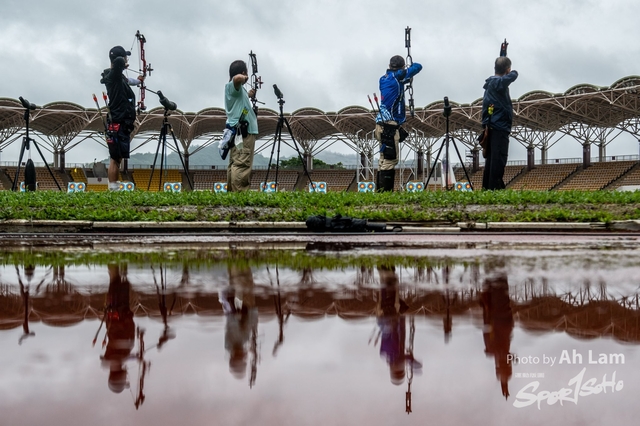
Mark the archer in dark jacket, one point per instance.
(496, 95)
(121, 112)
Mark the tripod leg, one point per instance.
(46, 164)
(462, 162)
(184, 168)
(153, 167)
(15, 179)
(426, 185)
(295, 144)
(278, 152)
(276, 140)
(162, 155)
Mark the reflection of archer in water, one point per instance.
(121, 335)
(241, 331)
(392, 323)
(498, 326)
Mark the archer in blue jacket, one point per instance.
(391, 116)
(496, 94)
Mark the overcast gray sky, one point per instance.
(327, 54)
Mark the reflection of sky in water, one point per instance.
(328, 370)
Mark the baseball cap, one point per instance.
(118, 51)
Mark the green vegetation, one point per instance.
(296, 163)
(211, 257)
(452, 206)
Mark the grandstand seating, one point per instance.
(82, 175)
(543, 177)
(510, 173)
(565, 176)
(96, 187)
(476, 177)
(287, 179)
(204, 179)
(596, 176)
(401, 179)
(632, 177)
(337, 180)
(141, 178)
(78, 175)
(43, 178)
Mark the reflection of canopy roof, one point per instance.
(594, 318)
(603, 107)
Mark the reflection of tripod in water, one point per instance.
(162, 142)
(277, 140)
(31, 186)
(445, 143)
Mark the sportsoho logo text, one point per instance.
(577, 387)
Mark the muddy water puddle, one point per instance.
(312, 336)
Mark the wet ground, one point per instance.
(496, 329)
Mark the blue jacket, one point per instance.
(496, 92)
(392, 93)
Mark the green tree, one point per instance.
(296, 163)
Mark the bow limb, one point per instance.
(145, 69)
(256, 81)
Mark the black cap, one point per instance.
(118, 51)
(396, 62)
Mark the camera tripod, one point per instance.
(28, 106)
(277, 140)
(162, 142)
(445, 145)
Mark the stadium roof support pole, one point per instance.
(531, 139)
(586, 134)
(420, 144)
(366, 147)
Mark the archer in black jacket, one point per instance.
(122, 110)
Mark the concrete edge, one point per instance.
(533, 226)
(23, 225)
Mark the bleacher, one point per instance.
(510, 173)
(597, 176)
(78, 175)
(287, 179)
(141, 178)
(476, 177)
(607, 175)
(43, 178)
(204, 179)
(337, 180)
(632, 177)
(543, 177)
(401, 179)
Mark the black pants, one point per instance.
(496, 160)
(120, 142)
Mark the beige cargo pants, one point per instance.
(240, 163)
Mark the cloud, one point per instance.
(327, 54)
